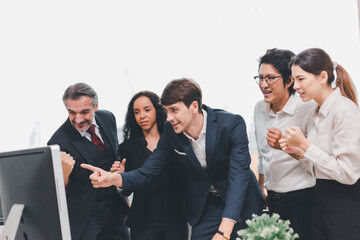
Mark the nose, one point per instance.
(78, 118)
(296, 85)
(169, 117)
(142, 115)
(263, 84)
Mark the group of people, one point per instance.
(188, 163)
(308, 143)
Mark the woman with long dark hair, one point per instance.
(331, 151)
(155, 213)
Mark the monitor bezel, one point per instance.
(58, 182)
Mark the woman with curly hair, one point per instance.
(155, 211)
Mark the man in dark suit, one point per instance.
(211, 145)
(89, 135)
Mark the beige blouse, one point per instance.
(334, 152)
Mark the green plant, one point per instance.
(265, 227)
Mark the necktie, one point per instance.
(94, 138)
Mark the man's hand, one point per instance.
(101, 178)
(273, 136)
(263, 189)
(67, 163)
(118, 167)
(217, 236)
(226, 226)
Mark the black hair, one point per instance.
(131, 129)
(280, 59)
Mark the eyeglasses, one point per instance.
(268, 79)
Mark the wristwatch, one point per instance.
(223, 234)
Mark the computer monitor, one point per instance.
(33, 178)
(1, 215)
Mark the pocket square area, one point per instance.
(180, 153)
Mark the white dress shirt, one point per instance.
(199, 145)
(334, 152)
(88, 135)
(282, 172)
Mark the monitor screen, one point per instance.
(33, 177)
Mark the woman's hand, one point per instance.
(296, 152)
(296, 138)
(118, 167)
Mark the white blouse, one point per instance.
(334, 152)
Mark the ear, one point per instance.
(96, 107)
(323, 76)
(195, 106)
(291, 80)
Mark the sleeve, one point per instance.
(239, 170)
(153, 166)
(344, 164)
(260, 164)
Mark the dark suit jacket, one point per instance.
(227, 169)
(79, 191)
(162, 199)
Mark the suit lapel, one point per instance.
(106, 133)
(80, 143)
(186, 146)
(211, 131)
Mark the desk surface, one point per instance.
(1, 228)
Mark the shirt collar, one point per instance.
(329, 101)
(203, 130)
(289, 107)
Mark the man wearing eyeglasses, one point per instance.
(285, 184)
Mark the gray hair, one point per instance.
(74, 92)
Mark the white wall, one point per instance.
(121, 47)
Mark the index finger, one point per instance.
(88, 166)
(274, 130)
(290, 130)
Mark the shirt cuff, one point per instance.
(229, 219)
(314, 152)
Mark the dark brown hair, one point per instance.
(316, 60)
(182, 90)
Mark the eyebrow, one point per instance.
(84, 110)
(147, 106)
(298, 76)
